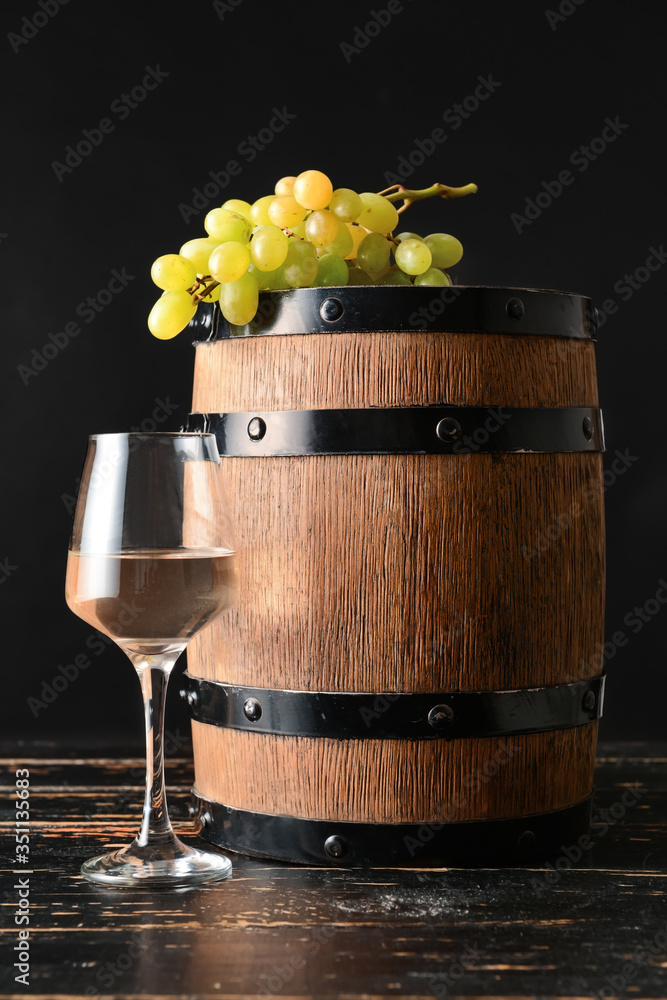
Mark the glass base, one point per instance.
(169, 864)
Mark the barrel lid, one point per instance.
(401, 309)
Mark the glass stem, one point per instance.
(154, 674)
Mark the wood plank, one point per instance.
(350, 937)
(279, 929)
(93, 772)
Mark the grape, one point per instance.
(259, 210)
(173, 272)
(409, 236)
(343, 242)
(413, 256)
(321, 228)
(229, 261)
(373, 254)
(223, 225)
(198, 252)
(357, 233)
(331, 270)
(300, 264)
(377, 214)
(313, 189)
(277, 278)
(286, 212)
(445, 250)
(433, 276)
(269, 279)
(285, 185)
(171, 313)
(239, 299)
(268, 248)
(306, 233)
(358, 277)
(238, 206)
(345, 204)
(394, 277)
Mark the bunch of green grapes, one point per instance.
(306, 234)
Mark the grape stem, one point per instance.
(201, 289)
(398, 192)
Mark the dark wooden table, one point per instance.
(597, 927)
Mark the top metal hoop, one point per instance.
(398, 309)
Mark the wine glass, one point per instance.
(152, 561)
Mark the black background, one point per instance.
(227, 70)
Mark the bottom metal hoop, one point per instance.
(518, 840)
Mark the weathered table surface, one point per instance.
(594, 928)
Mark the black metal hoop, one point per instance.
(327, 842)
(396, 308)
(394, 716)
(425, 430)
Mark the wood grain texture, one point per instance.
(321, 371)
(405, 572)
(412, 573)
(295, 931)
(394, 781)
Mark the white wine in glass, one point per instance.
(151, 562)
(147, 600)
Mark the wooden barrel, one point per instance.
(410, 676)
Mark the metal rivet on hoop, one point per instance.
(335, 846)
(440, 715)
(331, 310)
(252, 709)
(515, 308)
(527, 841)
(256, 429)
(589, 701)
(448, 429)
(588, 428)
